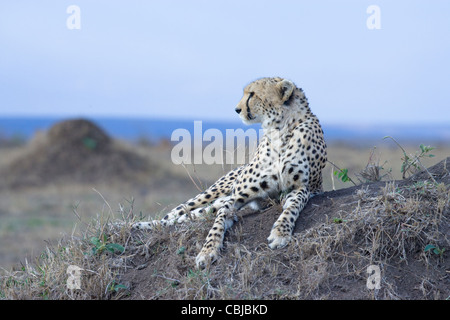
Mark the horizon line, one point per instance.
(350, 124)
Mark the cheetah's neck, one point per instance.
(289, 117)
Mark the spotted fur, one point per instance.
(289, 159)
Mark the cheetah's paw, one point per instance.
(206, 257)
(149, 225)
(277, 240)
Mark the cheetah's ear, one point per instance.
(285, 88)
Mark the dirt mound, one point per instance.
(395, 226)
(385, 240)
(78, 135)
(72, 151)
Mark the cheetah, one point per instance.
(289, 159)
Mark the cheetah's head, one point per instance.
(264, 99)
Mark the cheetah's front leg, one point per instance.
(214, 241)
(282, 229)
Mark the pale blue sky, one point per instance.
(192, 58)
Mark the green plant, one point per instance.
(342, 174)
(435, 249)
(339, 220)
(116, 286)
(100, 244)
(181, 251)
(411, 163)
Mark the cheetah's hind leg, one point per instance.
(216, 195)
(175, 217)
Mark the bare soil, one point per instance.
(337, 236)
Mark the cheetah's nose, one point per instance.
(238, 110)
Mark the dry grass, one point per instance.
(388, 226)
(46, 277)
(405, 220)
